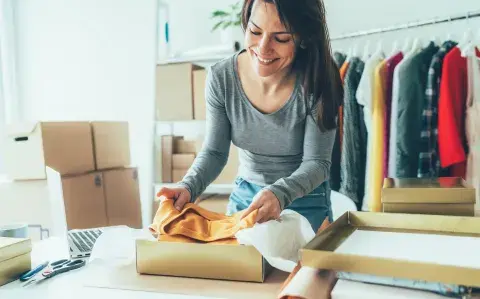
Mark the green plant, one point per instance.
(227, 18)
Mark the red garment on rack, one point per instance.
(392, 63)
(451, 112)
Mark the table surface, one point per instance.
(70, 285)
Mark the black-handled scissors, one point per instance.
(56, 268)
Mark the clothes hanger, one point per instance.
(416, 46)
(355, 50)
(366, 51)
(467, 35)
(449, 33)
(395, 48)
(379, 49)
(478, 40)
(406, 45)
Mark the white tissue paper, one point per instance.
(116, 245)
(279, 240)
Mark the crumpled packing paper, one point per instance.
(279, 240)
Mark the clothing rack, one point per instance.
(467, 16)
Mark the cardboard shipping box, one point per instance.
(96, 199)
(174, 91)
(15, 258)
(64, 146)
(436, 196)
(122, 197)
(199, 103)
(111, 144)
(166, 158)
(182, 161)
(212, 261)
(178, 174)
(182, 146)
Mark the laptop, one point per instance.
(81, 241)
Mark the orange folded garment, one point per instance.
(195, 224)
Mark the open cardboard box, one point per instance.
(212, 261)
(327, 250)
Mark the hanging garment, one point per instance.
(335, 176)
(452, 145)
(392, 142)
(472, 122)
(343, 73)
(378, 113)
(194, 224)
(365, 98)
(339, 58)
(352, 178)
(409, 114)
(428, 163)
(392, 63)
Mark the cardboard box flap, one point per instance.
(21, 129)
(427, 190)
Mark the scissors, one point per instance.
(55, 268)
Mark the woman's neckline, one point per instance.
(238, 82)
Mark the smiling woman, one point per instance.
(277, 101)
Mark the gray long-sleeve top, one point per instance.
(284, 151)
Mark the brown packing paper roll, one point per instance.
(307, 283)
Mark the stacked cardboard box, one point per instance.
(175, 155)
(180, 92)
(92, 160)
(15, 258)
(436, 196)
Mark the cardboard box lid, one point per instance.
(214, 261)
(322, 252)
(111, 142)
(13, 247)
(427, 190)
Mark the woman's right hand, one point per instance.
(180, 196)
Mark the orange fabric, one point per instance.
(343, 72)
(297, 268)
(195, 224)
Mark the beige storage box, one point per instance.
(212, 261)
(437, 196)
(15, 258)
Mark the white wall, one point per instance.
(344, 16)
(190, 24)
(91, 60)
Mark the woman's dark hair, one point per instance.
(306, 18)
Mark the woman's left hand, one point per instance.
(267, 204)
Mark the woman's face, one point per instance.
(270, 47)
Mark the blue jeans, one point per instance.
(315, 206)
